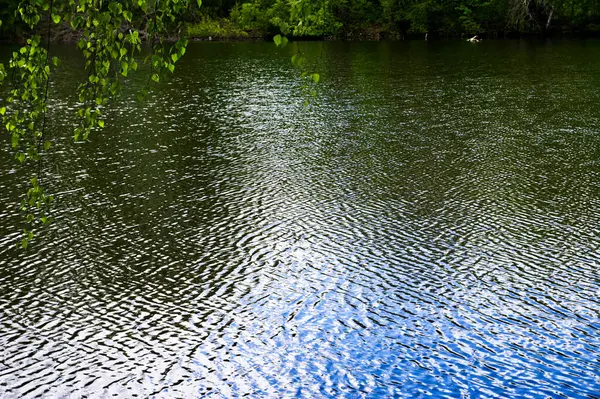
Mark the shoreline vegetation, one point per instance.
(229, 20)
(224, 30)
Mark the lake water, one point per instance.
(427, 228)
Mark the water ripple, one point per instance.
(427, 229)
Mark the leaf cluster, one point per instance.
(111, 34)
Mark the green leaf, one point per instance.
(101, 124)
(284, 41)
(155, 77)
(181, 43)
(56, 18)
(199, 3)
(2, 110)
(56, 61)
(76, 21)
(171, 68)
(277, 40)
(47, 145)
(174, 57)
(315, 77)
(24, 243)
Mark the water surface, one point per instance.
(427, 228)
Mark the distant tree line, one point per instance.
(436, 17)
(375, 18)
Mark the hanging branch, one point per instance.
(24, 115)
(41, 138)
(111, 44)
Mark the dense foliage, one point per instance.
(361, 18)
(399, 18)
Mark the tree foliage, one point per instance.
(110, 38)
(405, 17)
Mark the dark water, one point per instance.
(428, 229)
